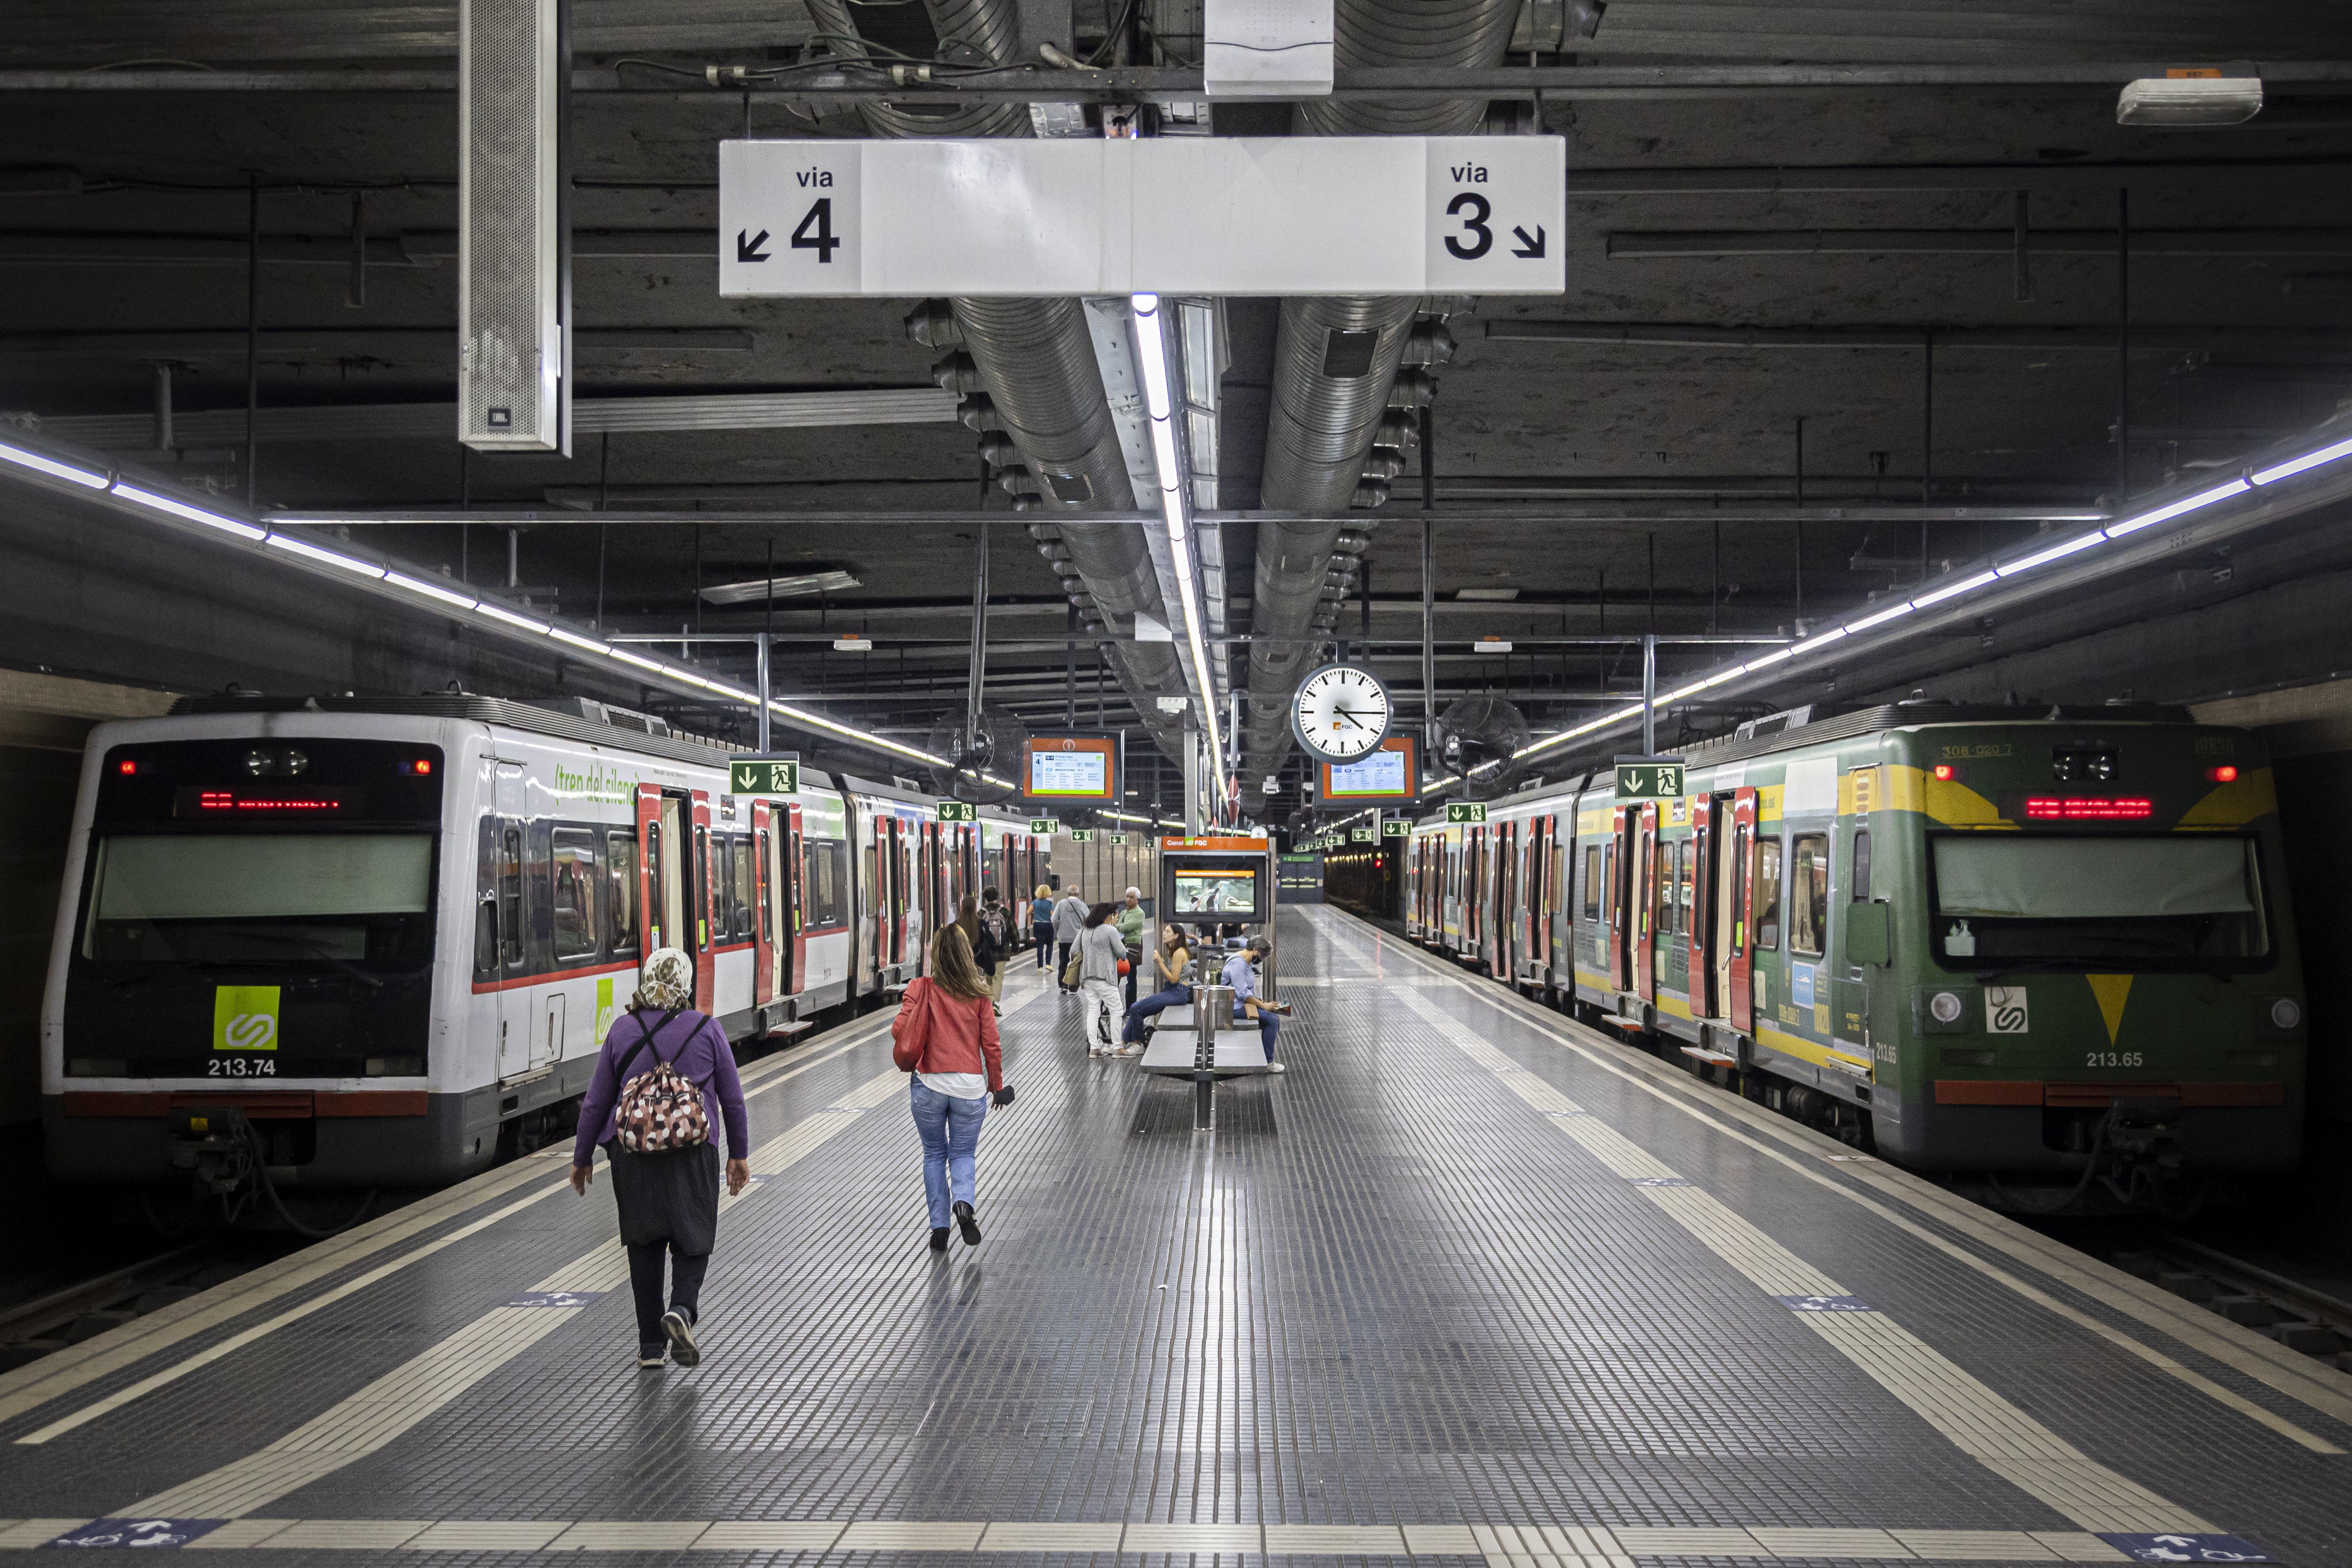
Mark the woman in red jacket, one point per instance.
(945, 1036)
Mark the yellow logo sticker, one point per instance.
(244, 1017)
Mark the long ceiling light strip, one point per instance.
(1953, 587)
(408, 587)
(1151, 345)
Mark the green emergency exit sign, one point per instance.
(1396, 828)
(958, 811)
(1650, 778)
(1082, 836)
(1466, 811)
(1043, 827)
(763, 777)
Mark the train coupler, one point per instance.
(214, 1145)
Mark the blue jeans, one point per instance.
(1268, 1027)
(1151, 1007)
(950, 1129)
(1044, 935)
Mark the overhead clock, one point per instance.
(1340, 712)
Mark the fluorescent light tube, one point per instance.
(1952, 590)
(1813, 644)
(588, 645)
(51, 467)
(180, 509)
(501, 614)
(430, 589)
(2043, 557)
(2188, 504)
(1900, 607)
(352, 563)
(2309, 460)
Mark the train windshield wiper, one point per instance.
(321, 950)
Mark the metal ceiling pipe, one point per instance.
(1033, 362)
(1335, 360)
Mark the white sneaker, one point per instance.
(1276, 1067)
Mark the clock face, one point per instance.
(1340, 712)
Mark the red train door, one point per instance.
(1614, 900)
(1742, 886)
(698, 894)
(1702, 851)
(651, 927)
(794, 872)
(763, 903)
(1645, 903)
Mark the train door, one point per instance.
(1620, 903)
(1645, 901)
(763, 903)
(514, 997)
(890, 896)
(705, 961)
(1539, 886)
(1738, 960)
(1504, 902)
(795, 884)
(1702, 852)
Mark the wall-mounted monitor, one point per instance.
(1216, 894)
(1390, 772)
(1081, 768)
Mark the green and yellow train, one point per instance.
(2043, 953)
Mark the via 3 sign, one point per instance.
(1193, 215)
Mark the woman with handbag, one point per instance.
(650, 1106)
(1100, 960)
(945, 1036)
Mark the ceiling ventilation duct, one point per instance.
(1335, 361)
(1027, 373)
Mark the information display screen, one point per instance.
(1070, 768)
(1222, 894)
(1385, 774)
(1069, 772)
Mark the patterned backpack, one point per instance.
(662, 1109)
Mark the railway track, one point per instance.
(89, 1307)
(2296, 1315)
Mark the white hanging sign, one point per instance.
(1178, 214)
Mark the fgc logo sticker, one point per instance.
(244, 1017)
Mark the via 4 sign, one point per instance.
(1194, 214)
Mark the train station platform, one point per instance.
(1468, 1284)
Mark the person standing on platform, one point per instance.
(1169, 964)
(1041, 924)
(1069, 923)
(663, 1069)
(1130, 932)
(1241, 973)
(1100, 952)
(995, 949)
(945, 1036)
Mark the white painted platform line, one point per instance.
(1966, 1413)
(2296, 1376)
(1522, 1545)
(380, 1413)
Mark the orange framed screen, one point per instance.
(1390, 772)
(1070, 767)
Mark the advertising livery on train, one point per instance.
(2051, 948)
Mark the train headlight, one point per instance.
(2286, 1012)
(1945, 1006)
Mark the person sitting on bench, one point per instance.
(1241, 975)
(1169, 962)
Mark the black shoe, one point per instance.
(652, 1356)
(939, 1239)
(680, 1330)
(969, 1225)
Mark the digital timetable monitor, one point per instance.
(1388, 773)
(1071, 767)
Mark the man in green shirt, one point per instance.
(1130, 921)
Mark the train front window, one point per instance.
(247, 898)
(2170, 902)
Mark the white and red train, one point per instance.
(393, 933)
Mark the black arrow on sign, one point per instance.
(1528, 249)
(749, 249)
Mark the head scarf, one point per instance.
(666, 981)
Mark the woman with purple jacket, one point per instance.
(668, 1198)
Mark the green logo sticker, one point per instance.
(603, 1006)
(244, 1017)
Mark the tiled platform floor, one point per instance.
(1468, 1283)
